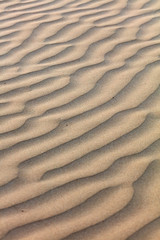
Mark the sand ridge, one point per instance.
(79, 119)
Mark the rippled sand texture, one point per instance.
(80, 119)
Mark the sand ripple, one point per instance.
(79, 119)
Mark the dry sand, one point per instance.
(80, 119)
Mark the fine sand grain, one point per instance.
(80, 119)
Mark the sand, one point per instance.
(80, 119)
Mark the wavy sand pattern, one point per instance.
(80, 119)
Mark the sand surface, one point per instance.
(80, 119)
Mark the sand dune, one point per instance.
(79, 119)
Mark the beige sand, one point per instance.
(80, 119)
